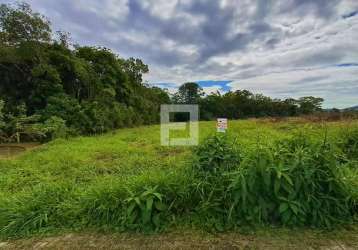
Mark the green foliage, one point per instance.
(145, 210)
(218, 153)
(243, 103)
(2, 123)
(18, 127)
(20, 24)
(126, 181)
(188, 93)
(95, 91)
(90, 88)
(294, 182)
(349, 144)
(310, 104)
(53, 128)
(45, 207)
(298, 182)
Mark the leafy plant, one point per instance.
(291, 185)
(145, 210)
(217, 153)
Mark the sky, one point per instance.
(280, 48)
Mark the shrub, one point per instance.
(214, 158)
(294, 182)
(298, 182)
(53, 128)
(145, 210)
(217, 153)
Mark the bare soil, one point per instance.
(276, 239)
(8, 150)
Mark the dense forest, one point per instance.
(52, 88)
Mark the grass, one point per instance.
(126, 181)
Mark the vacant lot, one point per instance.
(127, 182)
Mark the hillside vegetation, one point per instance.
(288, 173)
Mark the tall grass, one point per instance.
(126, 182)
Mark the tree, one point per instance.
(135, 69)
(91, 89)
(212, 107)
(21, 24)
(310, 104)
(63, 38)
(18, 126)
(189, 93)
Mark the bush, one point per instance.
(298, 182)
(53, 128)
(217, 153)
(295, 182)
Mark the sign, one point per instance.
(221, 125)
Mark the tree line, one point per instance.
(243, 103)
(51, 88)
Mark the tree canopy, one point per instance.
(243, 104)
(90, 89)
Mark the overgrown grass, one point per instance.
(260, 173)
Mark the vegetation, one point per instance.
(261, 173)
(244, 104)
(51, 88)
(45, 81)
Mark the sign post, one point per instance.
(221, 125)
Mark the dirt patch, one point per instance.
(169, 151)
(187, 240)
(11, 149)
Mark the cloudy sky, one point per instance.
(281, 48)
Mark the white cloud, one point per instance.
(271, 47)
(335, 84)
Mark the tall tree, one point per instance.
(310, 104)
(189, 93)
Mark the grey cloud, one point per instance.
(309, 80)
(321, 8)
(320, 58)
